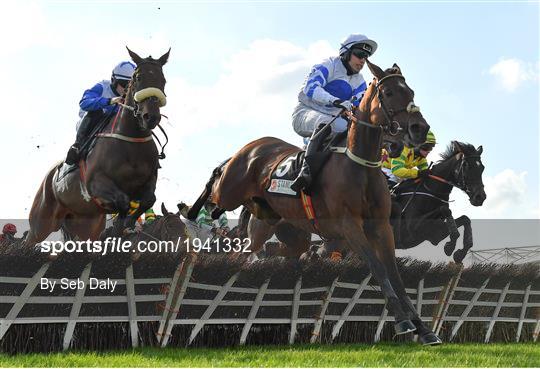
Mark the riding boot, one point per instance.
(74, 153)
(305, 176)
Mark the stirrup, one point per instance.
(299, 184)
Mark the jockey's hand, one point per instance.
(424, 174)
(343, 104)
(116, 100)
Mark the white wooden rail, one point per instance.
(441, 300)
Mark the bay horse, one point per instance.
(349, 196)
(421, 210)
(121, 167)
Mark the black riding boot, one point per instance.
(74, 153)
(305, 176)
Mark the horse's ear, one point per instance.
(397, 69)
(479, 150)
(163, 58)
(136, 58)
(164, 210)
(457, 146)
(377, 72)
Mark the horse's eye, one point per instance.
(388, 93)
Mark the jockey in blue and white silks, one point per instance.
(331, 86)
(98, 101)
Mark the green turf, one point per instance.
(380, 355)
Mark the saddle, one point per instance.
(288, 168)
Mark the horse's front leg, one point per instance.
(453, 232)
(384, 243)
(111, 197)
(464, 221)
(146, 201)
(353, 231)
(395, 221)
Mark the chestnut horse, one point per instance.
(349, 196)
(121, 167)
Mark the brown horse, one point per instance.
(121, 167)
(349, 195)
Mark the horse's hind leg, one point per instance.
(46, 215)
(295, 240)
(464, 221)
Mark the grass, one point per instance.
(380, 355)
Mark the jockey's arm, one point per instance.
(317, 79)
(92, 99)
(400, 168)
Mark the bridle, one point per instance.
(391, 126)
(149, 93)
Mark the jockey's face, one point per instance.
(424, 152)
(121, 87)
(356, 63)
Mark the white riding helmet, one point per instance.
(123, 70)
(357, 39)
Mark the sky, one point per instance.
(235, 70)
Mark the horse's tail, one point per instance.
(243, 222)
(196, 207)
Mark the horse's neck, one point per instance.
(126, 123)
(445, 170)
(363, 140)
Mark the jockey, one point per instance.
(334, 84)
(8, 232)
(412, 162)
(204, 218)
(98, 101)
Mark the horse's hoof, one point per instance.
(430, 339)
(449, 248)
(405, 326)
(459, 255)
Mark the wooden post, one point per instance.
(496, 312)
(319, 319)
(294, 310)
(380, 325)
(132, 306)
(174, 299)
(446, 297)
(253, 312)
(468, 309)
(523, 311)
(350, 306)
(215, 303)
(21, 300)
(76, 308)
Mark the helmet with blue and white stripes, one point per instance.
(123, 70)
(358, 41)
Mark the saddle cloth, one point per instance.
(285, 174)
(287, 170)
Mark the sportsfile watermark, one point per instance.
(118, 245)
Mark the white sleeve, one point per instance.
(317, 79)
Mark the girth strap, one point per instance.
(310, 213)
(355, 158)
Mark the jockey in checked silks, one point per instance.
(332, 86)
(410, 164)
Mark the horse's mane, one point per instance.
(452, 149)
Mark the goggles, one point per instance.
(123, 82)
(361, 50)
